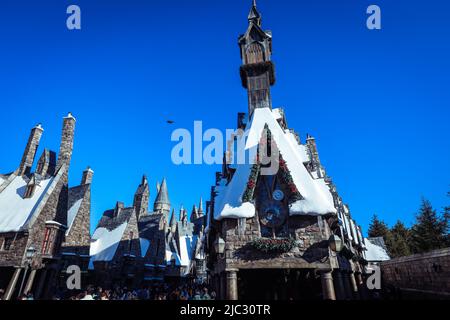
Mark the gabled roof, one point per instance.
(109, 233)
(149, 225)
(76, 196)
(15, 210)
(317, 198)
(376, 250)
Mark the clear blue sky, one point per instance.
(377, 101)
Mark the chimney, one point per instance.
(47, 163)
(88, 174)
(66, 148)
(30, 150)
(141, 198)
(119, 207)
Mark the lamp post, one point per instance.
(336, 243)
(29, 255)
(219, 246)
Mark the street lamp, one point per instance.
(219, 246)
(31, 251)
(336, 243)
(29, 255)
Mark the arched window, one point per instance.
(255, 53)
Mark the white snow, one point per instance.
(145, 244)
(1, 181)
(375, 253)
(360, 237)
(172, 256)
(353, 228)
(14, 209)
(277, 113)
(105, 243)
(228, 203)
(315, 193)
(347, 227)
(187, 248)
(72, 213)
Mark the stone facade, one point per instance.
(418, 276)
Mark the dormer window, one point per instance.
(30, 189)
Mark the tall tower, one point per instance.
(257, 70)
(162, 202)
(141, 198)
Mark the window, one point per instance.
(7, 243)
(46, 243)
(255, 53)
(30, 191)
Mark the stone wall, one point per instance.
(13, 257)
(423, 274)
(78, 237)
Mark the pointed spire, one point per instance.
(173, 219)
(194, 213)
(162, 202)
(254, 15)
(200, 208)
(173, 222)
(158, 187)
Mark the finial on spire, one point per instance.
(254, 16)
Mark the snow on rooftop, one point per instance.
(72, 213)
(105, 243)
(353, 229)
(15, 211)
(317, 198)
(187, 247)
(347, 227)
(145, 245)
(277, 113)
(374, 252)
(228, 203)
(1, 181)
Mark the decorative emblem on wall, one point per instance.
(278, 195)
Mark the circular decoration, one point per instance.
(272, 215)
(278, 195)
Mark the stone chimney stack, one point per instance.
(141, 198)
(30, 150)
(47, 163)
(66, 148)
(88, 174)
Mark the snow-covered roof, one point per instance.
(105, 243)
(375, 252)
(15, 211)
(1, 180)
(187, 248)
(317, 198)
(353, 229)
(347, 227)
(72, 213)
(145, 245)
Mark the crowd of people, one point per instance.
(162, 292)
